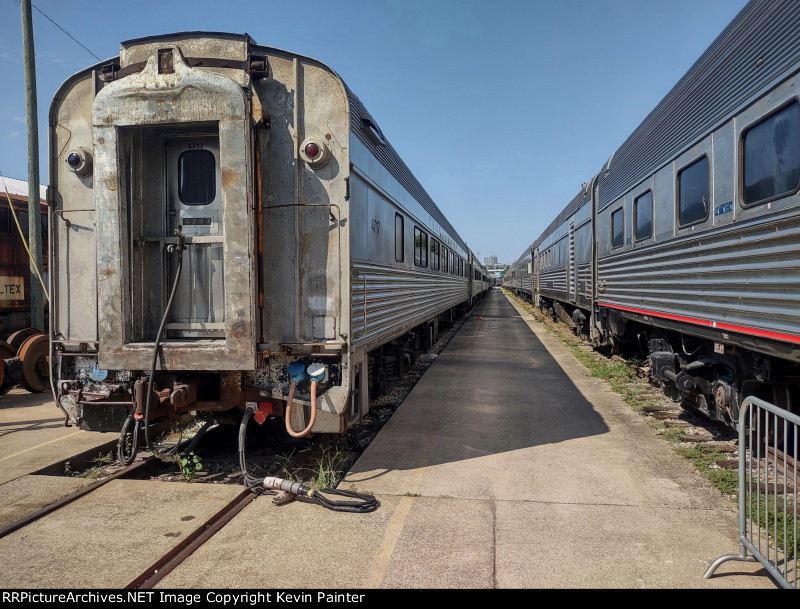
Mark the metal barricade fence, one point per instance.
(768, 496)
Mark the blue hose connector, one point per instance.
(317, 372)
(297, 372)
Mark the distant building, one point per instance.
(15, 274)
(490, 260)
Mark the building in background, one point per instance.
(15, 274)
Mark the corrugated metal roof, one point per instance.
(758, 49)
(391, 160)
(18, 188)
(583, 197)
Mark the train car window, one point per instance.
(617, 228)
(399, 238)
(693, 193)
(643, 216)
(434, 254)
(460, 267)
(420, 247)
(444, 258)
(197, 178)
(771, 156)
(452, 263)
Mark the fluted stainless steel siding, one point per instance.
(760, 47)
(584, 284)
(526, 284)
(398, 299)
(747, 275)
(517, 276)
(553, 284)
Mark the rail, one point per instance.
(52, 507)
(768, 507)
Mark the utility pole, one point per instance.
(34, 212)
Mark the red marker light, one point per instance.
(312, 150)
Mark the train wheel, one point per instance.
(17, 338)
(6, 350)
(35, 363)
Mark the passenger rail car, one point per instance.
(687, 241)
(255, 237)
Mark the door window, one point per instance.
(197, 177)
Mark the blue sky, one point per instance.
(502, 108)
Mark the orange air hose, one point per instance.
(288, 416)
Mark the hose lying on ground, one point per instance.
(356, 502)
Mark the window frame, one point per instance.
(435, 247)
(678, 173)
(420, 260)
(399, 240)
(619, 210)
(745, 130)
(197, 152)
(636, 237)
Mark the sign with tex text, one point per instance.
(12, 288)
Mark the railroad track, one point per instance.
(175, 556)
(129, 470)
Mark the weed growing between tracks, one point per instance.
(705, 458)
(96, 470)
(190, 465)
(318, 466)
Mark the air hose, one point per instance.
(357, 502)
(288, 416)
(121, 456)
(132, 418)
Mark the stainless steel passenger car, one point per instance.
(307, 239)
(519, 276)
(687, 241)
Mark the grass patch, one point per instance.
(762, 506)
(724, 480)
(672, 434)
(703, 457)
(95, 470)
(318, 467)
(770, 516)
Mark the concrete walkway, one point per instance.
(33, 437)
(506, 466)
